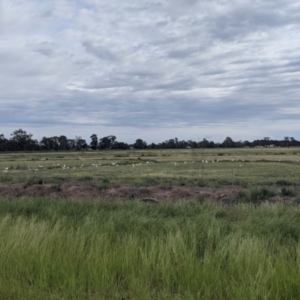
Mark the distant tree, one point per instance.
(204, 143)
(23, 140)
(152, 146)
(94, 141)
(71, 144)
(45, 143)
(266, 139)
(182, 144)
(258, 143)
(287, 141)
(63, 143)
(140, 144)
(293, 141)
(107, 142)
(176, 143)
(120, 145)
(211, 144)
(238, 144)
(80, 143)
(171, 144)
(55, 140)
(228, 143)
(3, 142)
(246, 144)
(50, 143)
(192, 144)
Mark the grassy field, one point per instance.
(132, 250)
(216, 167)
(247, 247)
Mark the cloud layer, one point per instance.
(152, 67)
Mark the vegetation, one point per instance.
(20, 140)
(132, 250)
(244, 246)
(247, 168)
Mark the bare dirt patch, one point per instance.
(86, 191)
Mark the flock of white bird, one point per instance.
(114, 164)
(207, 161)
(65, 167)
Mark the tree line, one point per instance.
(20, 140)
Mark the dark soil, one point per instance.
(86, 191)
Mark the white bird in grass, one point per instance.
(175, 163)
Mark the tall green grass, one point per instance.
(53, 249)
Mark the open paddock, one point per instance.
(199, 167)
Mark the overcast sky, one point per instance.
(151, 69)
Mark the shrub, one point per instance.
(146, 182)
(32, 181)
(283, 182)
(84, 177)
(242, 197)
(287, 192)
(200, 198)
(258, 195)
(105, 180)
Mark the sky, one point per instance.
(150, 69)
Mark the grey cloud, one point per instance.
(150, 64)
(47, 14)
(176, 85)
(45, 51)
(182, 53)
(99, 51)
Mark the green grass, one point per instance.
(236, 167)
(63, 249)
